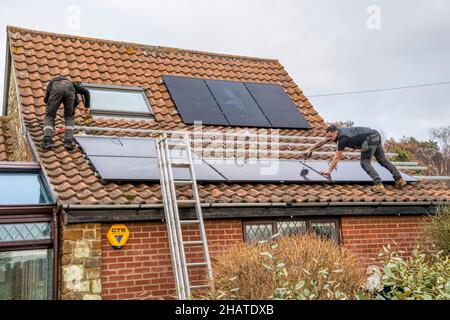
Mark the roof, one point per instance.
(39, 56)
(5, 138)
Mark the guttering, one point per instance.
(157, 206)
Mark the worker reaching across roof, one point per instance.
(369, 142)
(62, 90)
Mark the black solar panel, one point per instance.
(194, 101)
(237, 104)
(117, 147)
(264, 170)
(126, 169)
(351, 171)
(146, 169)
(277, 106)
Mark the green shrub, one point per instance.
(438, 230)
(424, 275)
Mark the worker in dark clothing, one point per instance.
(62, 90)
(369, 142)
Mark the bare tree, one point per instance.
(441, 160)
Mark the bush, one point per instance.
(297, 267)
(425, 275)
(438, 230)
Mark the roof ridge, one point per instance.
(13, 29)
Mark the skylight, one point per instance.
(22, 188)
(118, 100)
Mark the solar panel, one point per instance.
(277, 106)
(351, 171)
(237, 104)
(126, 169)
(263, 170)
(146, 169)
(117, 147)
(194, 101)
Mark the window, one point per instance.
(112, 100)
(258, 232)
(26, 275)
(22, 188)
(26, 260)
(324, 229)
(255, 231)
(24, 231)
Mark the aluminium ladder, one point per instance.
(167, 163)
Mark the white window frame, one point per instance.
(116, 113)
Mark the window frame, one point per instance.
(308, 221)
(120, 113)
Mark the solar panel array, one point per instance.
(135, 159)
(232, 103)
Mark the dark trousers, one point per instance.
(373, 147)
(62, 92)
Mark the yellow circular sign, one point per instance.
(118, 235)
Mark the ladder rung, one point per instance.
(183, 183)
(183, 164)
(196, 264)
(201, 286)
(177, 144)
(193, 243)
(189, 221)
(186, 202)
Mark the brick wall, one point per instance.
(143, 268)
(365, 236)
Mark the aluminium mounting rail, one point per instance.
(174, 224)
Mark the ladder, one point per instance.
(167, 163)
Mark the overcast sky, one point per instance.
(326, 46)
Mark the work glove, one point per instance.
(308, 154)
(85, 112)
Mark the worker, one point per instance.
(369, 142)
(62, 90)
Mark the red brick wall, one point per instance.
(143, 268)
(365, 236)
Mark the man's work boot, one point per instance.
(378, 188)
(68, 144)
(400, 183)
(47, 143)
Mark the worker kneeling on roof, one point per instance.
(62, 90)
(369, 141)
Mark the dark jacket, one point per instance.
(78, 90)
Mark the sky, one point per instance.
(327, 46)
